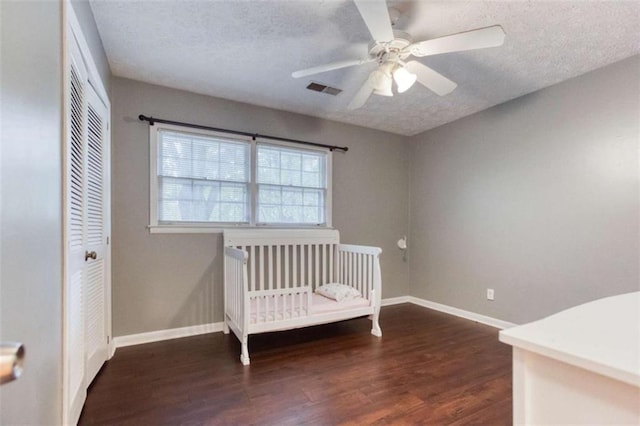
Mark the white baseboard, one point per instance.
(175, 333)
(483, 319)
(394, 300)
(172, 333)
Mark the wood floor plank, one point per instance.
(428, 368)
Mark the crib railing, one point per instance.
(359, 267)
(289, 265)
(279, 305)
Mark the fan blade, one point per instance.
(432, 80)
(330, 67)
(469, 40)
(362, 96)
(376, 16)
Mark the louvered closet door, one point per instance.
(87, 220)
(96, 238)
(75, 386)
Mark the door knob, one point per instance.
(90, 255)
(11, 360)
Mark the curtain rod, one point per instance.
(152, 121)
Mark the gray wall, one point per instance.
(90, 30)
(31, 243)
(165, 281)
(536, 198)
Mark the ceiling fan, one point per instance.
(391, 48)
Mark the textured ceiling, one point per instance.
(246, 51)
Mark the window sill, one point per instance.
(192, 229)
(177, 229)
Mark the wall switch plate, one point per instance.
(489, 294)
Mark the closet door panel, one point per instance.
(96, 213)
(75, 223)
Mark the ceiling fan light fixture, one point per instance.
(381, 83)
(404, 79)
(391, 47)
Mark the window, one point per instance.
(291, 185)
(202, 179)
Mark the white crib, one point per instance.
(270, 278)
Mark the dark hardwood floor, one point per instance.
(428, 368)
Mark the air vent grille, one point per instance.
(323, 88)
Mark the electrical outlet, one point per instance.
(489, 294)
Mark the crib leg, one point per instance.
(375, 325)
(244, 355)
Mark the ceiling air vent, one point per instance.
(319, 87)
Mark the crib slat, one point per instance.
(356, 271)
(294, 277)
(357, 266)
(354, 267)
(260, 267)
(356, 275)
(278, 267)
(363, 278)
(309, 266)
(347, 266)
(343, 267)
(331, 254)
(291, 300)
(286, 266)
(267, 308)
(365, 272)
(362, 274)
(323, 265)
(252, 254)
(256, 303)
(317, 266)
(302, 264)
(270, 264)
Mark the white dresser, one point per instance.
(579, 366)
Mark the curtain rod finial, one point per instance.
(141, 117)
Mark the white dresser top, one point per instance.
(602, 336)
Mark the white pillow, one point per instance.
(338, 292)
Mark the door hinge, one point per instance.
(107, 240)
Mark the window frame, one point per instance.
(155, 226)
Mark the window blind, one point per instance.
(202, 178)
